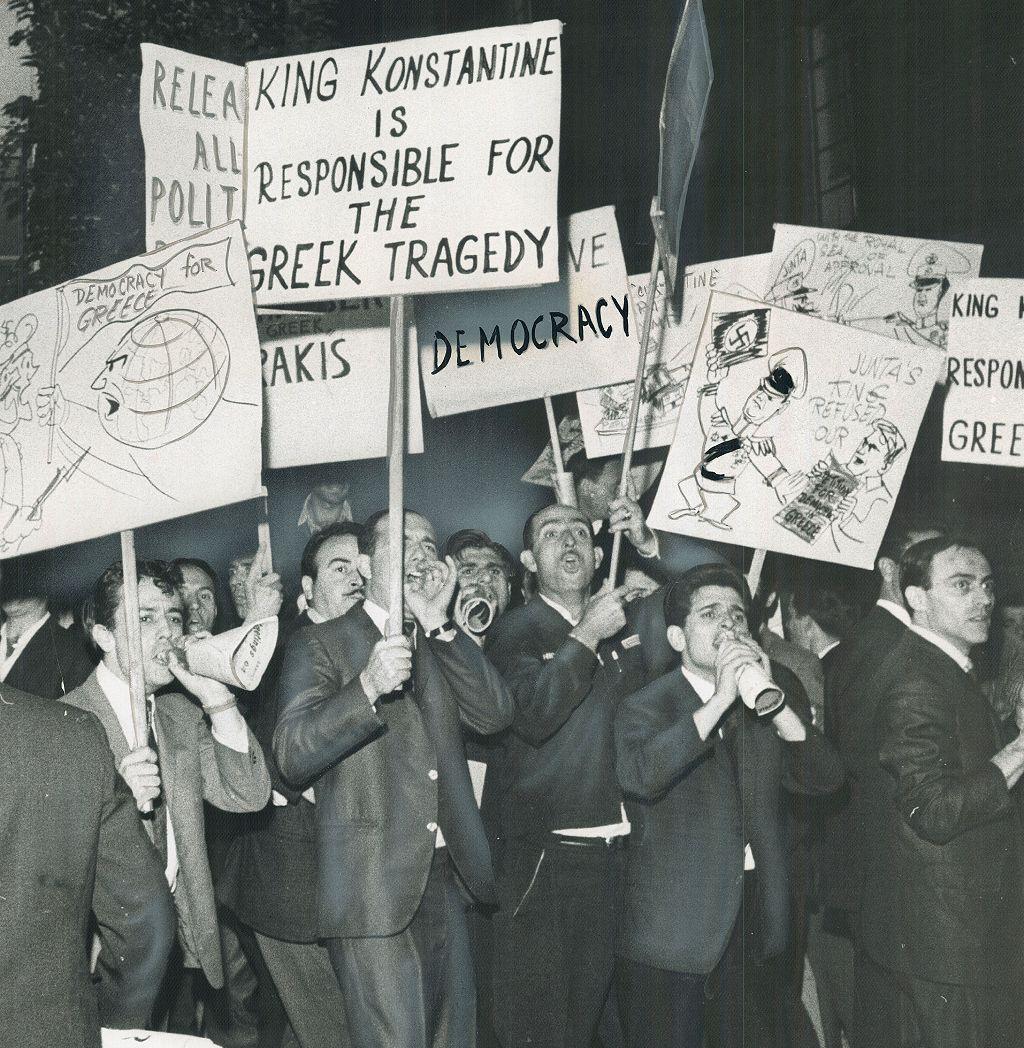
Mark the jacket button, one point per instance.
(432, 774)
(432, 826)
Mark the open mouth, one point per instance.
(112, 406)
(163, 657)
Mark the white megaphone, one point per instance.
(237, 657)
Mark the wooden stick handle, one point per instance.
(396, 449)
(133, 631)
(263, 530)
(634, 405)
(565, 489)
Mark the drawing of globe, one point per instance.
(163, 379)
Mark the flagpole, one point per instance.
(396, 449)
(638, 383)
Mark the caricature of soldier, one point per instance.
(792, 293)
(17, 369)
(931, 267)
(730, 446)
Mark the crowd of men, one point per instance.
(546, 812)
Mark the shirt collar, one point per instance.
(828, 647)
(377, 614)
(704, 688)
(25, 637)
(313, 615)
(561, 609)
(942, 644)
(896, 610)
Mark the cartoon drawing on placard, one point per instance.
(790, 289)
(729, 445)
(840, 497)
(17, 370)
(930, 268)
(661, 394)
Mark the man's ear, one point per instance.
(889, 570)
(915, 598)
(103, 638)
(307, 589)
(528, 560)
(363, 564)
(676, 638)
(598, 557)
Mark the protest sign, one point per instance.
(894, 286)
(481, 350)
(982, 420)
(604, 412)
(129, 396)
(325, 384)
(192, 116)
(794, 435)
(402, 168)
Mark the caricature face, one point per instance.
(926, 300)
(761, 406)
(15, 375)
(868, 458)
(163, 379)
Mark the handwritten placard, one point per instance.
(402, 168)
(192, 116)
(325, 386)
(481, 350)
(794, 434)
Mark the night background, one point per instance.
(888, 116)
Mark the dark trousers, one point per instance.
(830, 951)
(659, 1008)
(895, 1010)
(309, 991)
(741, 1004)
(414, 989)
(554, 942)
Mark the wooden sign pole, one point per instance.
(133, 630)
(396, 451)
(565, 488)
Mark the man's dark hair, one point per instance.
(916, 562)
(470, 538)
(368, 533)
(101, 608)
(530, 527)
(332, 531)
(196, 562)
(826, 596)
(899, 535)
(679, 595)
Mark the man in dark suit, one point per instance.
(270, 870)
(568, 665)
(706, 876)
(397, 825)
(37, 655)
(72, 845)
(852, 688)
(186, 760)
(939, 947)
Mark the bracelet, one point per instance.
(231, 703)
(445, 627)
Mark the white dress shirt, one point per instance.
(828, 647)
(119, 697)
(962, 660)
(705, 689)
(896, 610)
(19, 645)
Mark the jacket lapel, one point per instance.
(99, 704)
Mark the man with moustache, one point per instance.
(331, 582)
(375, 723)
(562, 819)
(940, 951)
(187, 758)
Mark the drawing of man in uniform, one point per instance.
(730, 446)
(17, 369)
(793, 293)
(930, 266)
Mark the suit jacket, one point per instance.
(193, 768)
(386, 775)
(853, 683)
(270, 874)
(72, 844)
(54, 662)
(692, 815)
(943, 894)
